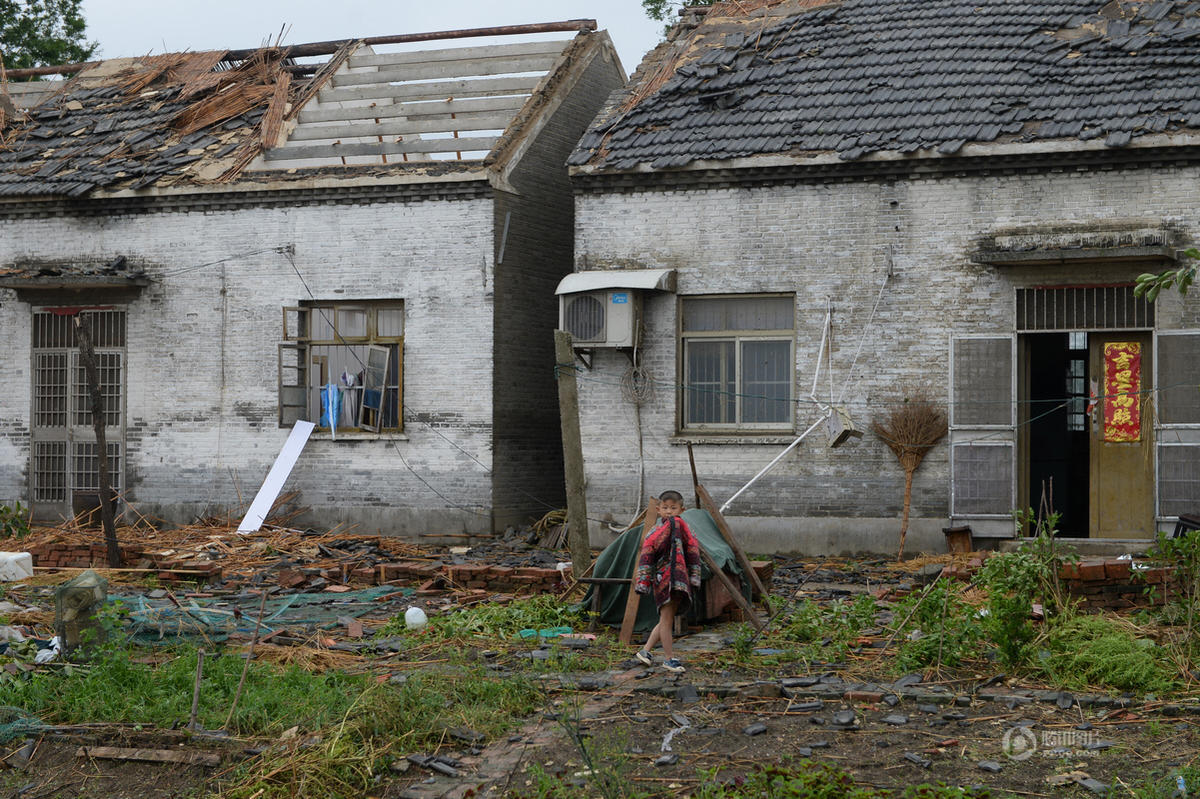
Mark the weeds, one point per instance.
(941, 628)
(14, 521)
(494, 621)
(1089, 651)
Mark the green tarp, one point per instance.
(619, 558)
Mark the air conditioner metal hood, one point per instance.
(594, 280)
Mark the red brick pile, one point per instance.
(1114, 584)
(1101, 583)
(95, 556)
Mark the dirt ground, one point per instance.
(665, 733)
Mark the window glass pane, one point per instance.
(320, 323)
(710, 382)
(766, 381)
(737, 313)
(389, 322)
(352, 322)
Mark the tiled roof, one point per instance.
(130, 123)
(865, 76)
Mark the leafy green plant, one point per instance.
(937, 628)
(14, 521)
(494, 621)
(1150, 284)
(1181, 606)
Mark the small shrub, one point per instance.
(14, 521)
(941, 628)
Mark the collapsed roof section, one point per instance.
(805, 78)
(186, 120)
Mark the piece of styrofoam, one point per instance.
(15, 566)
(278, 475)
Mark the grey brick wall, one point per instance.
(829, 242)
(538, 252)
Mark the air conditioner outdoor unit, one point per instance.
(609, 318)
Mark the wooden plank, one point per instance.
(544, 47)
(447, 145)
(445, 70)
(435, 90)
(706, 502)
(192, 758)
(400, 127)
(734, 591)
(650, 518)
(437, 108)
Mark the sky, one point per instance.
(141, 27)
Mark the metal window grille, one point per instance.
(108, 368)
(50, 389)
(85, 468)
(1082, 308)
(49, 471)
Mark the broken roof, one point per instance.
(807, 77)
(189, 119)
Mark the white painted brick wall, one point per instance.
(827, 241)
(198, 420)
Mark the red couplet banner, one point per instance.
(1122, 387)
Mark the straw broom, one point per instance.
(910, 430)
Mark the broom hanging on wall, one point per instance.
(910, 430)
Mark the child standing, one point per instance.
(670, 566)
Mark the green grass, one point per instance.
(811, 779)
(487, 621)
(1096, 651)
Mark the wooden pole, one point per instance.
(193, 724)
(87, 354)
(568, 410)
(734, 591)
(649, 520)
(706, 502)
(695, 478)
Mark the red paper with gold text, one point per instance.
(1122, 384)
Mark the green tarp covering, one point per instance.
(620, 557)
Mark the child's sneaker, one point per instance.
(645, 657)
(674, 665)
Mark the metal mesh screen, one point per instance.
(1179, 479)
(1179, 379)
(983, 479)
(982, 381)
(1082, 308)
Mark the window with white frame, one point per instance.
(738, 362)
(341, 365)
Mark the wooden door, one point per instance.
(1121, 428)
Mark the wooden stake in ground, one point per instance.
(634, 599)
(910, 430)
(568, 409)
(87, 355)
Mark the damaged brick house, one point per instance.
(966, 192)
(361, 236)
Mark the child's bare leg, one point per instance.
(666, 625)
(653, 639)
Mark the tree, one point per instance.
(37, 33)
(1150, 284)
(663, 10)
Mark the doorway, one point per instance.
(1088, 435)
(1059, 452)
